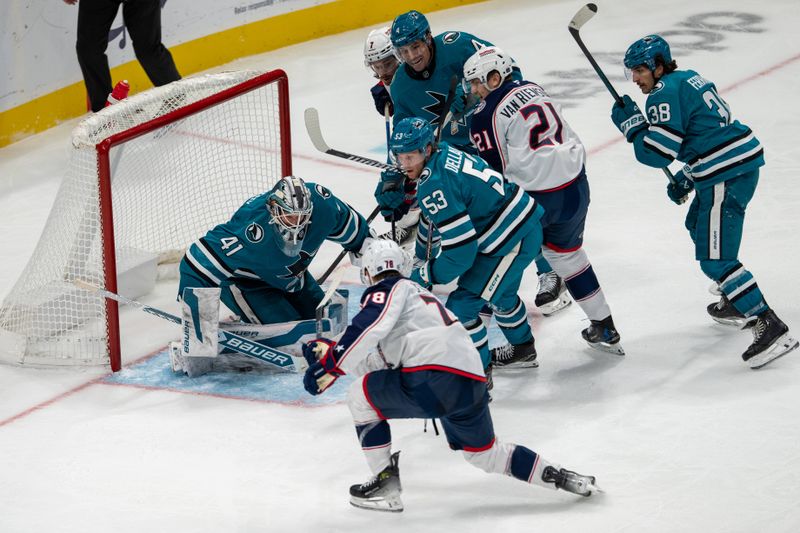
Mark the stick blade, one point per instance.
(582, 16)
(311, 117)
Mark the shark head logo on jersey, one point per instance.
(290, 205)
(322, 191)
(254, 232)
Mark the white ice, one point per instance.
(680, 433)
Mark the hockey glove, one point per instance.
(321, 371)
(422, 276)
(628, 118)
(679, 191)
(381, 96)
(390, 192)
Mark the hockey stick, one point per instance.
(445, 117)
(335, 282)
(252, 348)
(341, 255)
(583, 16)
(387, 119)
(311, 116)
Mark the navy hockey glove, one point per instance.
(628, 118)
(679, 191)
(390, 192)
(321, 371)
(381, 96)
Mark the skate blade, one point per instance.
(593, 488)
(512, 366)
(739, 323)
(388, 505)
(785, 344)
(615, 348)
(562, 302)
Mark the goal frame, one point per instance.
(106, 204)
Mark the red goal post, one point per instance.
(146, 177)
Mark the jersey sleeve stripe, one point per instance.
(452, 222)
(450, 244)
(246, 273)
(212, 256)
(670, 134)
(660, 148)
(200, 271)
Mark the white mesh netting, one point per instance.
(169, 186)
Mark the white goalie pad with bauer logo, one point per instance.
(200, 352)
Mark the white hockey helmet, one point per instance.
(291, 206)
(378, 45)
(384, 255)
(484, 62)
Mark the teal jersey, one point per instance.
(690, 122)
(247, 251)
(423, 94)
(473, 208)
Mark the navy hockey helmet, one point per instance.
(411, 134)
(645, 50)
(408, 28)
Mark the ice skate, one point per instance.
(725, 313)
(771, 340)
(552, 296)
(603, 336)
(382, 492)
(515, 356)
(402, 236)
(570, 481)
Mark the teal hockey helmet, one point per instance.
(408, 28)
(411, 134)
(645, 50)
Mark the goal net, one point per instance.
(146, 177)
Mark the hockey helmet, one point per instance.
(411, 134)
(484, 62)
(384, 255)
(290, 205)
(378, 45)
(645, 50)
(408, 28)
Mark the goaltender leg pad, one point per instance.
(200, 318)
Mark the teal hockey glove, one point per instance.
(389, 194)
(679, 191)
(628, 118)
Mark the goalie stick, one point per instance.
(249, 347)
(583, 16)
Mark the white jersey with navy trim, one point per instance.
(401, 325)
(521, 132)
